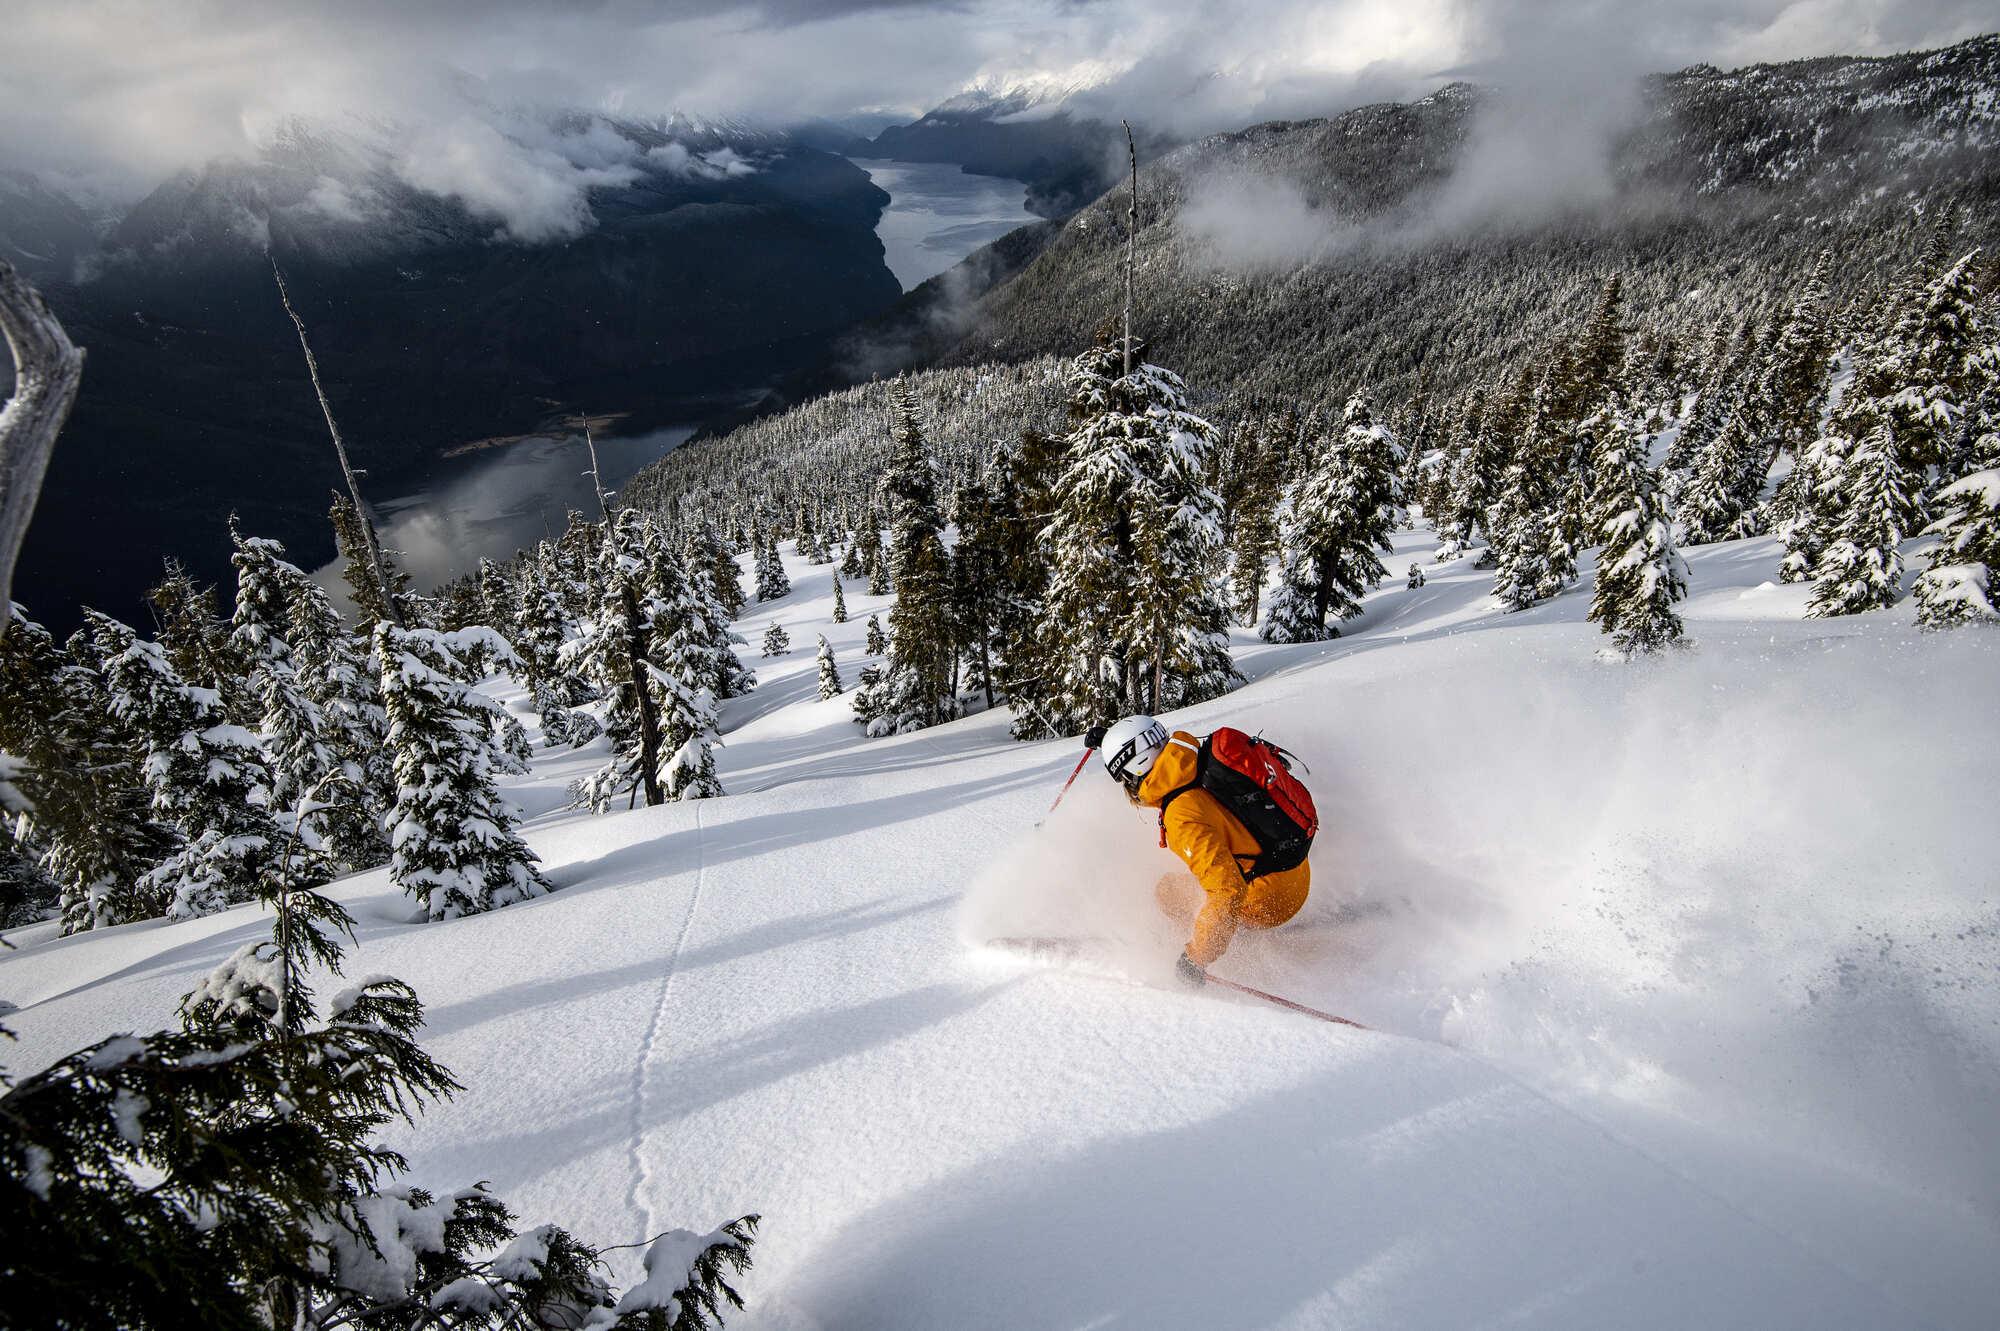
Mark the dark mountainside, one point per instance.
(1726, 182)
(692, 291)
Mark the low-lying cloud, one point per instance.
(107, 97)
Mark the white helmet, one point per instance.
(1131, 746)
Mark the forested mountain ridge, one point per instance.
(1720, 194)
(1713, 199)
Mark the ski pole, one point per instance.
(1078, 771)
(1283, 1002)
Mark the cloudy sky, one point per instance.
(115, 93)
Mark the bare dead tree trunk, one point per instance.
(390, 603)
(48, 368)
(1131, 241)
(635, 646)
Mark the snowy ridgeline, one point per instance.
(1683, 976)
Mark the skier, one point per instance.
(1207, 792)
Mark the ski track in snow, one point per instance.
(1701, 1025)
(649, 1049)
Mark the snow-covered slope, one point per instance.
(1684, 974)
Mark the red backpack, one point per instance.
(1252, 778)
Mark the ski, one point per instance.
(1056, 946)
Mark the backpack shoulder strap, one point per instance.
(1200, 763)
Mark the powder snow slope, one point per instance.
(1684, 974)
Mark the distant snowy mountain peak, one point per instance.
(999, 98)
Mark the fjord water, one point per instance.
(938, 214)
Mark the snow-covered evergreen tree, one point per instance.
(709, 583)
(839, 600)
(455, 847)
(618, 627)
(1792, 386)
(1862, 568)
(1940, 359)
(1339, 524)
(228, 1174)
(772, 582)
(1640, 575)
(1816, 501)
(86, 815)
(542, 626)
(1520, 540)
(877, 643)
(1721, 490)
(916, 686)
(709, 553)
(776, 641)
(1960, 585)
(27, 893)
(338, 677)
(197, 641)
(979, 590)
(293, 730)
(209, 780)
(1134, 619)
(357, 570)
(498, 599)
(1253, 535)
(829, 672)
(679, 672)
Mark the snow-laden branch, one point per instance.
(47, 369)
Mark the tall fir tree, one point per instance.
(611, 651)
(709, 552)
(1341, 519)
(1134, 619)
(878, 642)
(88, 815)
(839, 600)
(455, 847)
(868, 552)
(542, 626)
(680, 672)
(293, 730)
(772, 582)
(1862, 568)
(1792, 385)
(1640, 575)
(1816, 501)
(1023, 503)
(1254, 537)
(357, 571)
(916, 687)
(338, 677)
(978, 582)
(1721, 493)
(1960, 585)
(717, 598)
(1519, 542)
(209, 780)
(198, 641)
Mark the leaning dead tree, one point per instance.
(635, 636)
(47, 369)
(1131, 243)
(391, 604)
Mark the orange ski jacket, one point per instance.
(1217, 847)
